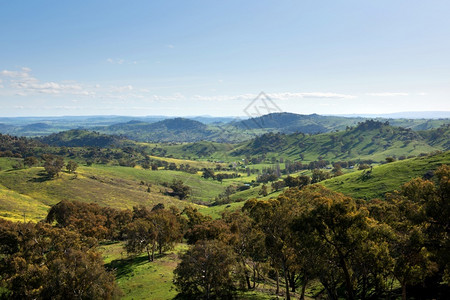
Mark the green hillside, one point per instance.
(80, 138)
(372, 140)
(28, 190)
(170, 130)
(385, 178)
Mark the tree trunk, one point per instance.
(348, 281)
(403, 291)
(254, 277)
(304, 283)
(364, 288)
(292, 282)
(247, 278)
(331, 290)
(207, 291)
(153, 251)
(286, 279)
(149, 255)
(278, 284)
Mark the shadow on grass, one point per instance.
(123, 267)
(42, 177)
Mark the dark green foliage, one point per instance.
(170, 130)
(53, 164)
(208, 173)
(205, 271)
(80, 138)
(71, 166)
(153, 230)
(179, 189)
(89, 219)
(298, 182)
(41, 262)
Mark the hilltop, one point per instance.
(80, 138)
(170, 130)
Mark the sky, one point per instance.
(187, 58)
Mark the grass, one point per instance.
(137, 277)
(192, 163)
(18, 207)
(29, 191)
(385, 178)
(202, 189)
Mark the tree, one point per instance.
(390, 159)
(79, 275)
(205, 271)
(53, 165)
(71, 166)
(179, 189)
(141, 236)
(248, 242)
(298, 182)
(167, 229)
(263, 192)
(274, 218)
(30, 161)
(339, 225)
(319, 175)
(278, 185)
(42, 262)
(208, 173)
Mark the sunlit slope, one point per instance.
(29, 191)
(385, 178)
(370, 140)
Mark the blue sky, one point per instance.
(213, 57)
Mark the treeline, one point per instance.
(355, 249)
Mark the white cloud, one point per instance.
(387, 94)
(170, 46)
(324, 95)
(117, 61)
(22, 83)
(49, 87)
(277, 96)
(22, 73)
(121, 89)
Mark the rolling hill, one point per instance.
(373, 140)
(80, 138)
(387, 177)
(29, 192)
(170, 130)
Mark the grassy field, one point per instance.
(137, 277)
(385, 178)
(29, 191)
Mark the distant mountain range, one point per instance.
(405, 115)
(193, 129)
(369, 140)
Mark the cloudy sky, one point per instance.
(214, 57)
